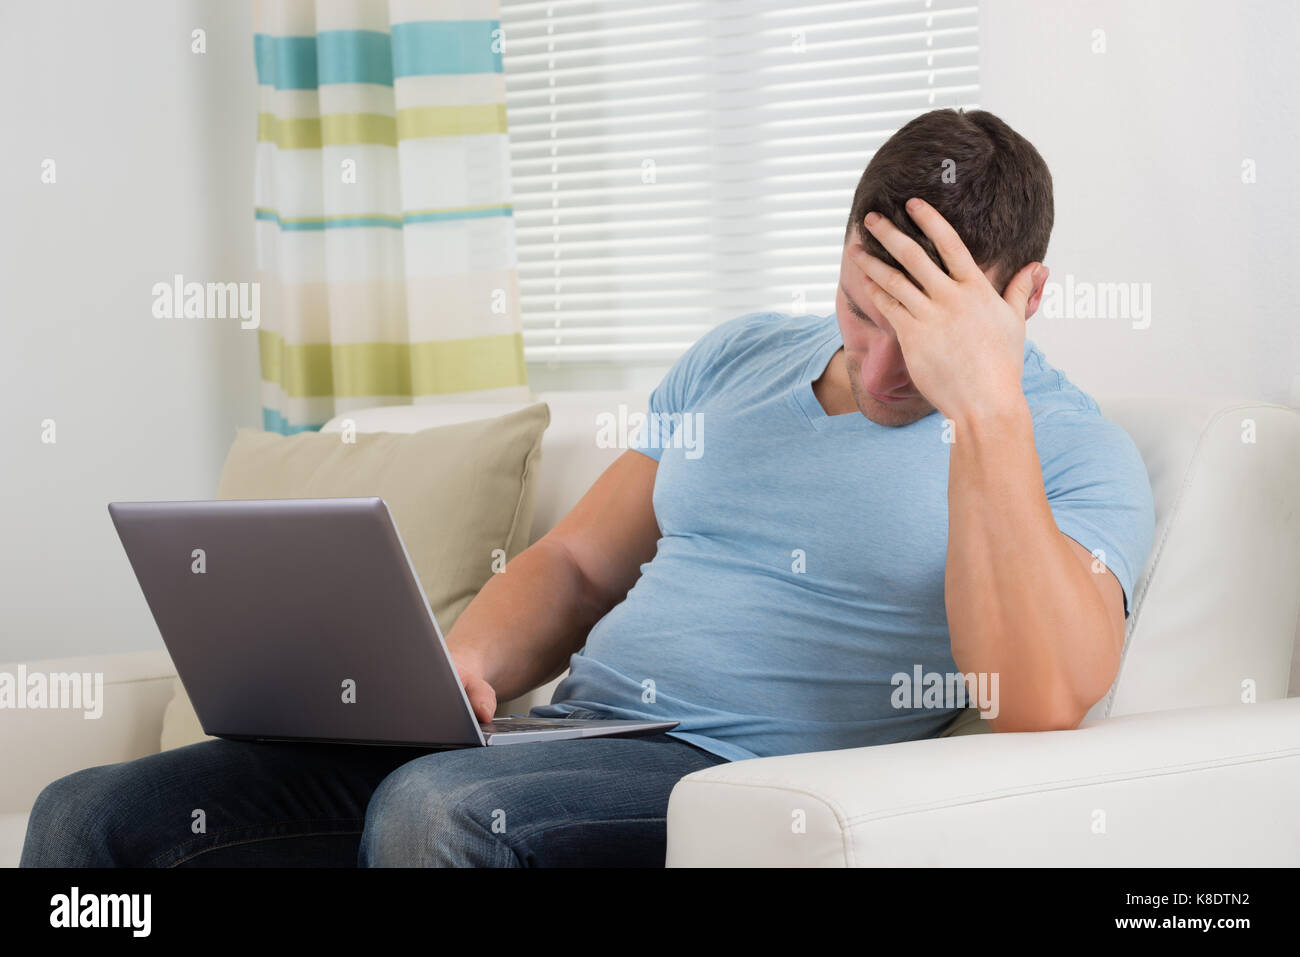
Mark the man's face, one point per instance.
(882, 389)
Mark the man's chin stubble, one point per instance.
(884, 413)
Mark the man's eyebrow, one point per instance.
(853, 306)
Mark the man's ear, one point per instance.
(1036, 295)
(1035, 288)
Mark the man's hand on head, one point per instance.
(963, 342)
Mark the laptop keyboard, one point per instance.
(532, 724)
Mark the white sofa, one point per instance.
(1171, 768)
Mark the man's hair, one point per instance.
(982, 176)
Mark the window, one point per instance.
(676, 164)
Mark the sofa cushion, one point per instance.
(457, 492)
(968, 721)
(13, 831)
(575, 448)
(1214, 612)
(180, 725)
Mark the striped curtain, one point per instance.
(385, 235)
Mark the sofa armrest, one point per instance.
(41, 744)
(1204, 787)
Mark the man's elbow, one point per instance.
(1038, 719)
(1062, 711)
(1060, 704)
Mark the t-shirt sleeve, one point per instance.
(1098, 490)
(684, 386)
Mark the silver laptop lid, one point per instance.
(297, 619)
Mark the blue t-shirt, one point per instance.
(801, 563)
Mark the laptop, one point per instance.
(304, 620)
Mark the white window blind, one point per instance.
(677, 164)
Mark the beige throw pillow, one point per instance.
(457, 493)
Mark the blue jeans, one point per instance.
(598, 802)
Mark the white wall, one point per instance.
(153, 147)
(1146, 143)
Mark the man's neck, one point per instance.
(832, 387)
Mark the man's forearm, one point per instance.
(521, 628)
(1019, 602)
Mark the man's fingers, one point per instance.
(482, 697)
(893, 282)
(1020, 288)
(893, 310)
(953, 251)
(907, 251)
(484, 702)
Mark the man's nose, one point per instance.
(885, 365)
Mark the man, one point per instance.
(903, 488)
